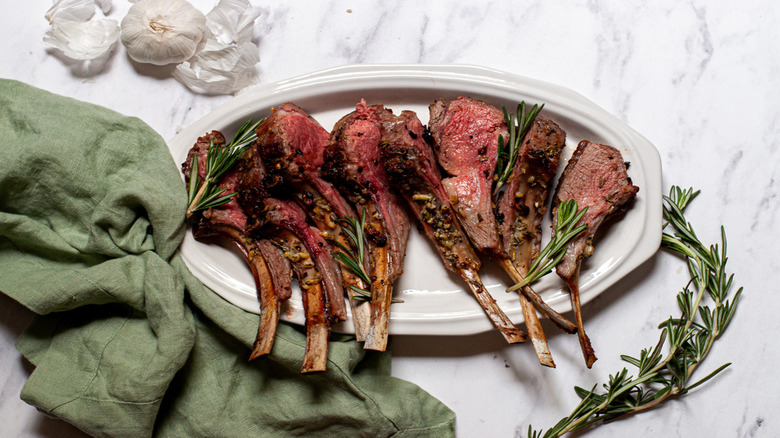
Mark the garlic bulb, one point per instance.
(77, 32)
(162, 32)
(226, 63)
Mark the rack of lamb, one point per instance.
(476, 180)
(265, 228)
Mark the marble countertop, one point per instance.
(696, 78)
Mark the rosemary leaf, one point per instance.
(708, 376)
(518, 125)
(194, 180)
(360, 294)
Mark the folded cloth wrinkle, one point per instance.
(127, 342)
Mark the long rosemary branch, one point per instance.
(689, 337)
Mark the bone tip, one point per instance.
(515, 336)
(376, 343)
(312, 369)
(258, 352)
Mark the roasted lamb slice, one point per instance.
(412, 169)
(352, 163)
(522, 204)
(465, 134)
(272, 280)
(292, 144)
(596, 178)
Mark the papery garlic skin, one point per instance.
(223, 72)
(70, 10)
(83, 40)
(227, 61)
(162, 32)
(104, 5)
(77, 33)
(231, 22)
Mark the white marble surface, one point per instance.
(697, 78)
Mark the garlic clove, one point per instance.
(162, 32)
(227, 61)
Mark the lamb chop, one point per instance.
(292, 145)
(596, 178)
(465, 138)
(272, 279)
(522, 203)
(352, 163)
(465, 134)
(412, 169)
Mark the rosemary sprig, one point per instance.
(553, 252)
(689, 337)
(355, 230)
(508, 149)
(204, 192)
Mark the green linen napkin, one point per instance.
(128, 342)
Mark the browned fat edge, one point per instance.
(315, 359)
(444, 230)
(269, 309)
(445, 233)
(437, 218)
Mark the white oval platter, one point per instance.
(434, 300)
